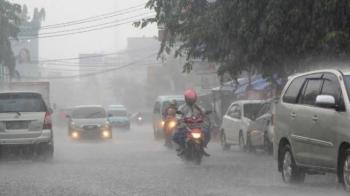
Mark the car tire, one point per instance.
(45, 151)
(291, 173)
(249, 147)
(268, 146)
(156, 134)
(223, 141)
(241, 144)
(344, 170)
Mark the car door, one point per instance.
(325, 120)
(226, 124)
(229, 122)
(236, 116)
(264, 117)
(305, 112)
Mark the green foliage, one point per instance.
(9, 29)
(273, 37)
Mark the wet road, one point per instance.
(134, 164)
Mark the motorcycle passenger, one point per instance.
(189, 109)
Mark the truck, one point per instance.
(42, 87)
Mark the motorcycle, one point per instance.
(195, 138)
(169, 129)
(139, 120)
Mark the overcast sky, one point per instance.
(107, 40)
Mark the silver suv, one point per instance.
(25, 123)
(312, 134)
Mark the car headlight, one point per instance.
(75, 135)
(106, 134)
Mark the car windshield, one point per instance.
(21, 103)
(88, 113)
(166, 104)
(117, 113)
(251, 109)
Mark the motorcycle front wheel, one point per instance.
(197, 154)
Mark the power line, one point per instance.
(92, 18)
(75, 58)
(87, 27)
(82, 67)
(90, 70)
(91, 56)
(94, 73)
(79, 32)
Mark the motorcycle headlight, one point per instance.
(196, 135)
(162, 123)
(139, 118)
(172, 124)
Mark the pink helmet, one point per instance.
(190, 96)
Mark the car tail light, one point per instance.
(47, 121)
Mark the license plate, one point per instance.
(91, 127)
(12, 125)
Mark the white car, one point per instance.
(234, 127)
(25, 123)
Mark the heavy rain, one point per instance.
(174, 97)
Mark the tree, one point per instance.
(9, 29)
(273, 37)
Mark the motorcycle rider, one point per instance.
(187, 110)
(171, 110)
(169, 113)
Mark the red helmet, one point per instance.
(190, 96)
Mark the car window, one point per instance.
(252, 109)
(22, 103)
(266, 108)
(331, 86)
(310, 92)
(235, 111)
(293, 90)
(117, 113)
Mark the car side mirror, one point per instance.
(68, 116)
(109, 115)
(50, 110)
(325, 101)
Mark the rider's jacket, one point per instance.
(188, 111)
